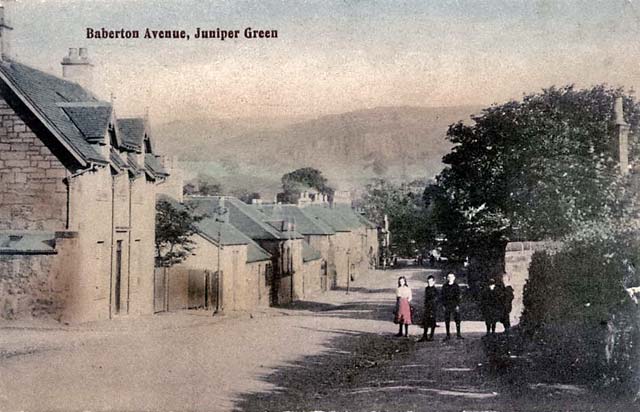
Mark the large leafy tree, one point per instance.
(532, 169)
(298, 180)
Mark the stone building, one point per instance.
(226, 271)
(77, 196)
(318, 240)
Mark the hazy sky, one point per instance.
(334, 56)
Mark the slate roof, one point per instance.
(117, 160)
(330, 217)
(248, 219)
(132, 131)
(348, 215)
(92, 119)
(132, 162)
(209, 227)
(367, 222)
(306, 223)
(77, 118)
(44, 92)
(27, 242)
(152, 164)
(256, 254)
(309, 253)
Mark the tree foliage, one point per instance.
(531, 169)
(203, 185)
(175, 226)
(408, 213)
(301, 179)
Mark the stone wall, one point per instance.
(39, 285)
(33, 194)
(516, 261)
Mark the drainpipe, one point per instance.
(113, 218)
(129, 251)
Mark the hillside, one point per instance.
(384, 141)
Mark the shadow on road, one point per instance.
(368, 371)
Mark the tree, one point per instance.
(531, 169)
(175, 225)
(203, 185)
(301, 179)
(409, 216)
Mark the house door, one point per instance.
(118, 278)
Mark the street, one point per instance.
(334, 353)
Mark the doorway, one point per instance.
(117, 302)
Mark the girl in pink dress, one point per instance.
(403, 309)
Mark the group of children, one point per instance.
(495, 303)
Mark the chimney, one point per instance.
(5, 32)
(77, 67)
(622, 133)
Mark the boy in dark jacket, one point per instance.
(451, 302)
(430, 302)
(491, 303)
(507, 298)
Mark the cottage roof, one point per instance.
(330, 217)
(367, 222)
(256, 254)
(91, 118)
(132, 132)
(306, 223)
(27, 242)
(134, 167)
(309, 253)
(213, 229)
(76, 118)
(153, 165)
(117, 160)
(248, 219)
(42, 93)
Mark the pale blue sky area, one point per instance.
(333, 56)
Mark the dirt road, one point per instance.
(336, 352)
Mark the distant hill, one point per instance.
(383, 141)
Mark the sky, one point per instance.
(333, 56)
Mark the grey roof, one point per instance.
(229, 235)
(27, 242)
(256, 254)
(132, 131)
(117, 160)
(132, 162)
(330, 217)
(309, 253)
(77, 117)
(349, 216)
(212, 225)
(44, 92)
(248, 219)
(153, 165)
(306, 223)
(369, 224)
(92, 119)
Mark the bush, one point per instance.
(577, 310)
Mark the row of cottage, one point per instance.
(249, 256)
(78, 193)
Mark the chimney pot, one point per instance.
(83, 53)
